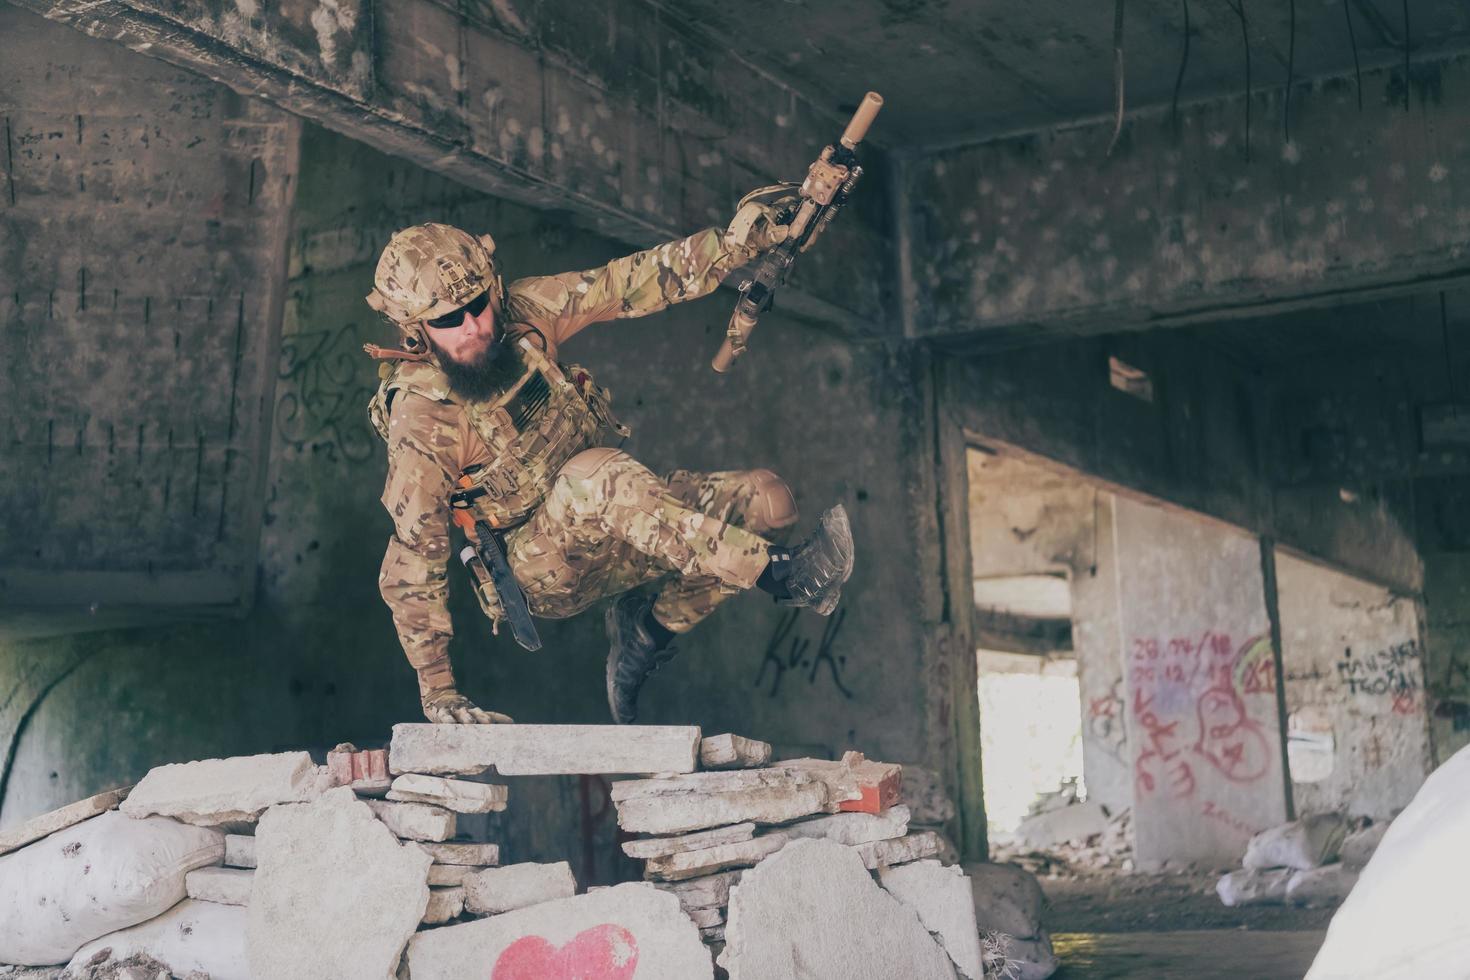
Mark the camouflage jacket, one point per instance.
(432, 438)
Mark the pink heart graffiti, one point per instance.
(605, 952)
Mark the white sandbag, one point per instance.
(1357, 850)
(1307, 843)
(1408, 918)
(1321, 887)
(192, 936)
(99, 876)
(1252, 887)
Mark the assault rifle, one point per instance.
(828, 186)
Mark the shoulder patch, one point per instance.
(547, 292)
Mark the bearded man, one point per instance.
(479, 408)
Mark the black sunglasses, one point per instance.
(454, 318)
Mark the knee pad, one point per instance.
(772, 504)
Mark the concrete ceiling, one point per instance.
(954, 71)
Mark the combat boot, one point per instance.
(634, 652)
(811, 575)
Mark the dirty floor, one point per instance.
(1213, 954)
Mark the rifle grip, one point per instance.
(857, 128)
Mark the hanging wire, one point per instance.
(1117, 74)
(1444, 333)
(1406, 55)
(1179, 78)
(1290, 75)
(1347, 12)
(1239, 7)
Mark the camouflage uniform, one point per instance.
(583, 523)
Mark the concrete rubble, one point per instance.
(222, 791)
(225, 886)
(813, 910)
(336, 894)
(733, 752)
(338, 881)
(415, 821)
(458, 795)
(518, 886)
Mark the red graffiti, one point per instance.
(605, 952)
(1103, 707)
(1258, 678)
(1228, 738)
(1406, 703)
(1158, 761)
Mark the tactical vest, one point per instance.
(548, 416)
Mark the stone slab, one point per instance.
(655, 847)
(414, 821)
(854, 783)
(68, 816)
(458, 795)
(517, 886)
(444, 904)
(448, 875)
(733, 752)
(942, 898)
(224, 886)
(631, 930)
(693, 864)
(336, 894)
(709, 891)
(462, 852)
(812, 910)
(543, 750)
(217, 791)
(707, 918)
(1007, 899)
(712, 935)
(899, 850)
(853, 828)
(714, 799)
(239, 851)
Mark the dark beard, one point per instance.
(491, 374)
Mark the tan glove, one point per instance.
(446, 706)
(757, 224)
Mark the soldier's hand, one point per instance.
(759, 222)
(449, 707)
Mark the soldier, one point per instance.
(478, 391)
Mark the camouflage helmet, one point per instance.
(430, 269)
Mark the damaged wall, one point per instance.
(316, 660)
(1043, 233)
(142, 237)
(1357, 724)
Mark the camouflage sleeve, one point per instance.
(634, 285)
(414, 577)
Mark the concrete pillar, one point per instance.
(1202, 713)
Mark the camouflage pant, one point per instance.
(610, 524)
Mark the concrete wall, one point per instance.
(1354, 682)
(316, 660)
(1206, 748)
(1097, 638)
(142, 240)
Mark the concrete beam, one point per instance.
(1196, 442)
(1042, 234)
(617, 113)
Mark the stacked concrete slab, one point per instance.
(705, 831)
(357, 868)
